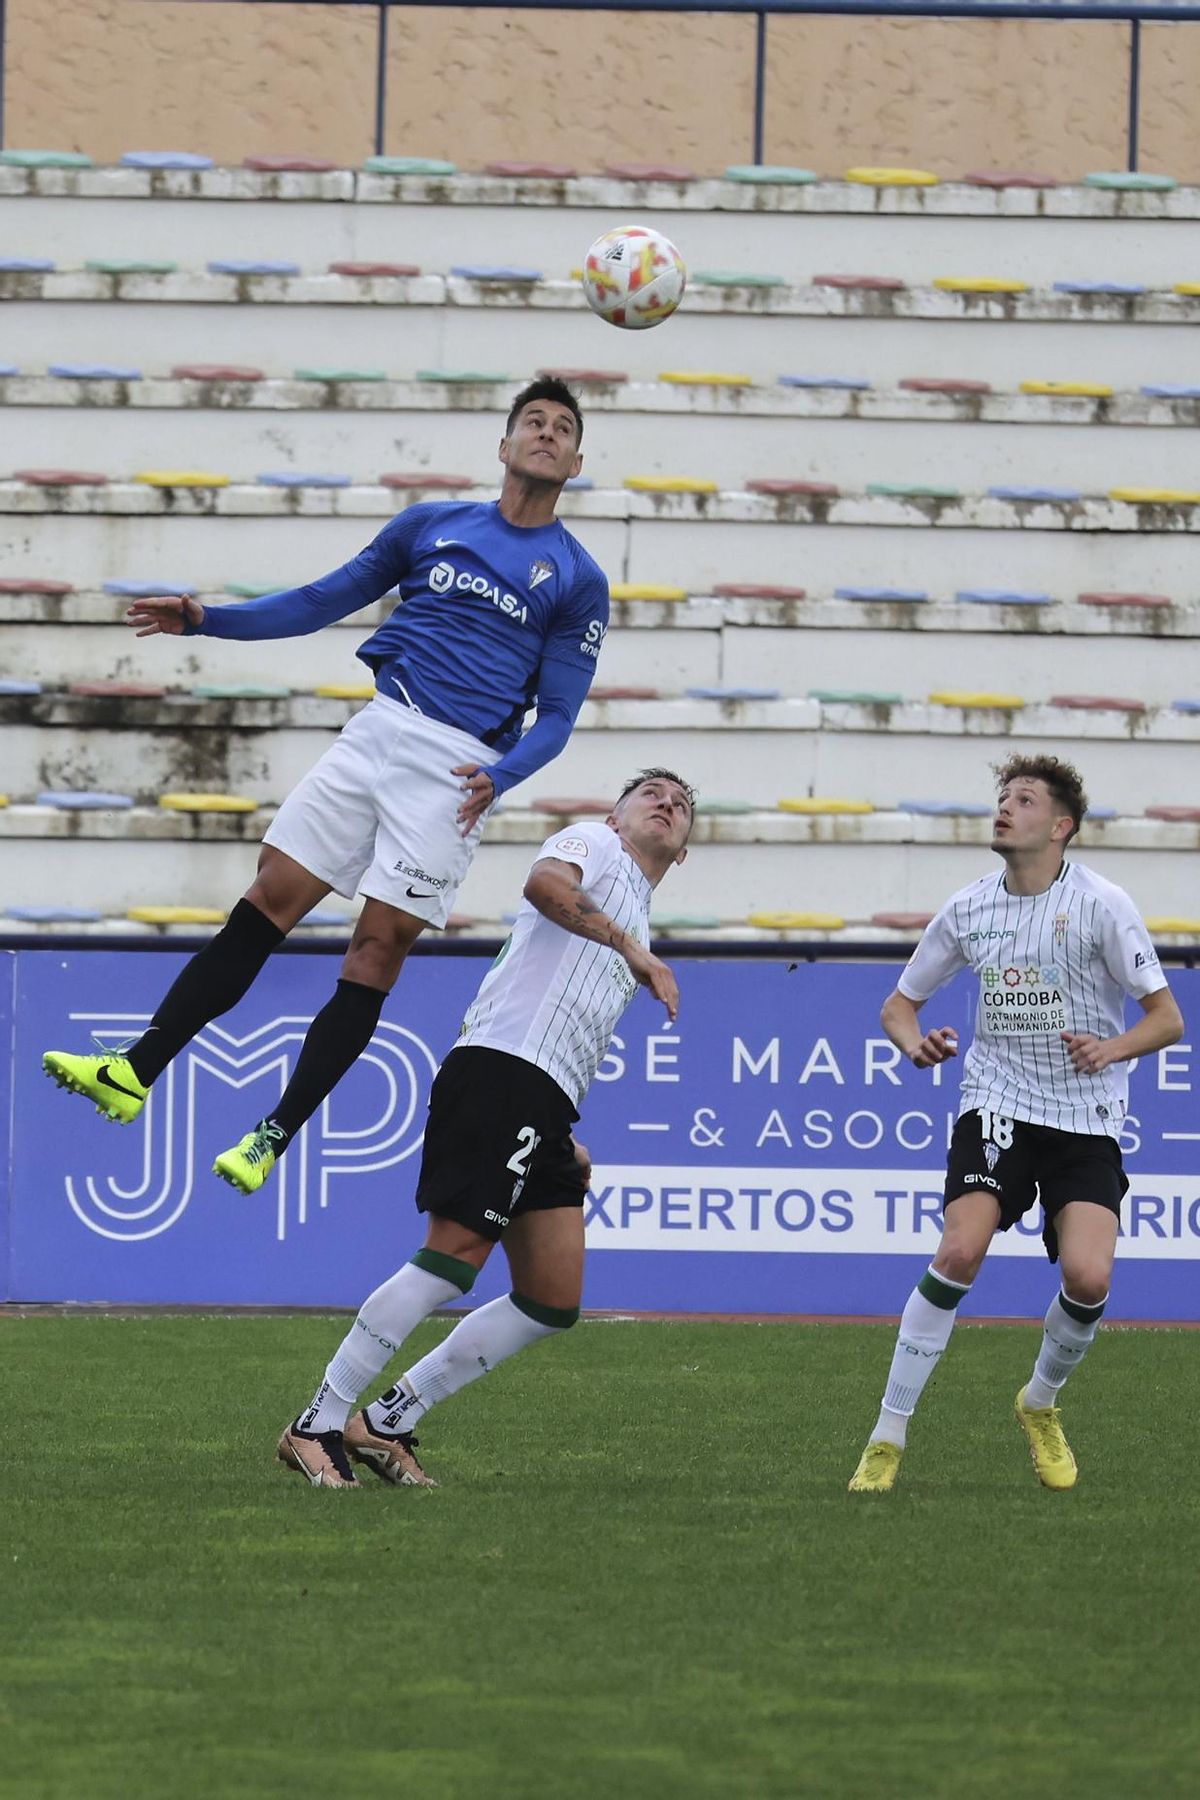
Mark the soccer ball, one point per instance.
(633, 277)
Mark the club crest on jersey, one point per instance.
(1061, 921)
(540, 570)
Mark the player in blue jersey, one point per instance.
(502, 610)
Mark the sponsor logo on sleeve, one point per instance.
(572, 846)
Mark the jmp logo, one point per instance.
(191, 1101)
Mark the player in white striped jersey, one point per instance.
(500, 1164)
(1057, 949)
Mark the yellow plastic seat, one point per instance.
(172, 478)
(892, 177)
(3, 799)
(644, 590)
(338, 690)
(1150, 496)
(670, 484)
(1180, 927)
(797, 921)
(1190, 288)
(1093, 390)
(980, 284)
(807, 805)
(967, 700)
(176, 915)
(198, 803)
(704, 378)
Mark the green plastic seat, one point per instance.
(771, 172)
(726, 806)
(684, 922)
(1131, 180)
(248, 690)
(339, 374)
(853, 697)
(45, 159)
(409, 165)
(250, 590)
(913, 490)
(735, 278)
(462, 376)
(116, 265)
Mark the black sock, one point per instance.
(336, 1039)
(214, 980)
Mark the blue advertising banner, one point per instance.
(771, 1153)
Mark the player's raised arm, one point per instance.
(556, 889)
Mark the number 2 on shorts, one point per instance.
(527, 1142)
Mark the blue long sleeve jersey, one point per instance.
(494, 618)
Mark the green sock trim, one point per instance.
(447, 1268)
(1075, 1309)
(556, 1318)
(945, 1294)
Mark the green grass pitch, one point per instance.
(642, 1575)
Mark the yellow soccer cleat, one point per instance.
(1048, 1447)
(109, 1081)
(248, 1164)
(878, 1467)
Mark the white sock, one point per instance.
(475, 1346)
(925, 1327)
(384, 1320)
(1065, 1342)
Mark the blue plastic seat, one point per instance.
(327, 915)
(290, 478)
(253, 266)
(1003, 597)
(879, 593)
(26, 265)
(53, 915)
(9, 686)
(494, 272)
(1170, 390)
(1101, 812)
(579, 484)
(732, 693)
(94, 372)
(82, 800)
(855, 382)
(1099, 287)
(133, 590)
(945, 809)
(1185, 706)
(9, 369)
(165, 159)
(1017, 492)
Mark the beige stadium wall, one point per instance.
(103, 76)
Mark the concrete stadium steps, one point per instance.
(261, 748)
(794, 645)
(729, 434)
(85, 534)
(767, 861)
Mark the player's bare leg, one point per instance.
(1087, 1241)
(925, 1327)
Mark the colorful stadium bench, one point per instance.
(26, 265)
(808, 805)
(427, 479)
(60, 477)
(1176, 927)
(409, 165)
(880, 593)
(94, 372)
(645, 590)
(1170, 390)
(503, 272)
(945, 809)
(735, 278)
(243, 690)
(683, 922)
(1097, 703)
(1146, 602)
(1003, 597)
(532, 171)
(345, 690)
(238, 265)
(912, 490)
(595, 806)
(1179, 815)
(704, 378)
(732, 693)
(874, 177)
(1099, 814)
(117, 690)
(140, 590)
(1003, 178)
(636, 171)
(54, 915)
(874, 284)
(280, 165)
(972, 702)
(980, 284)
(854, 697)
(854, 383)
(340, 374)
(206, 803)
(1088, 390)
(85, 800)
(1099, 287)
(902, 921)
(9, 685)
(757, 590)
(373, 268)
(176, 478)
(725, 806)
(1190, 289)
(9, 369)
(165, 159)
(115, 265)
(45, 159)
(216, 372)
(943, 384)
(778, 172)
(3, 799)
(1151, 496)
(669, 484)
(1014, 491)
(33, 584)
(796, 921)
(1131, 180)
(295, 478)
(1185, 706)
(783, 484)
(458, 377)
(580, 484)
(176, 915)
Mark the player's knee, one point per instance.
(555, 1318)
(1086, 1283)
(958, 1259)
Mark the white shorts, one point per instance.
(377, 815)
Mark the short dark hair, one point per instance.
(1062, 778)
(644, 775)
(546, 387)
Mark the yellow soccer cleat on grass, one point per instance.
(878, 1467)
(108, 1081)
(248, 1164)
(1048, 1446)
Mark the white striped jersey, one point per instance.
(1063, 960)
(554, 998)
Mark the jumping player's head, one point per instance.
(1041, 804)
(543, 434)
(653, 815)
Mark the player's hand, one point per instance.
(164, 614)
(478, 793)
(935, 1047)
(584, 1161)
(655, 975)
(1089, 1054)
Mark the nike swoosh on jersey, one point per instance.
(447, 544)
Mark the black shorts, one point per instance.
(497, 1144)
(1019, 1164)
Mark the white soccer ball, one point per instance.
(634, 277)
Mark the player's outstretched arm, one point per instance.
(556, 889)
(168, 615)
(924, 1049)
